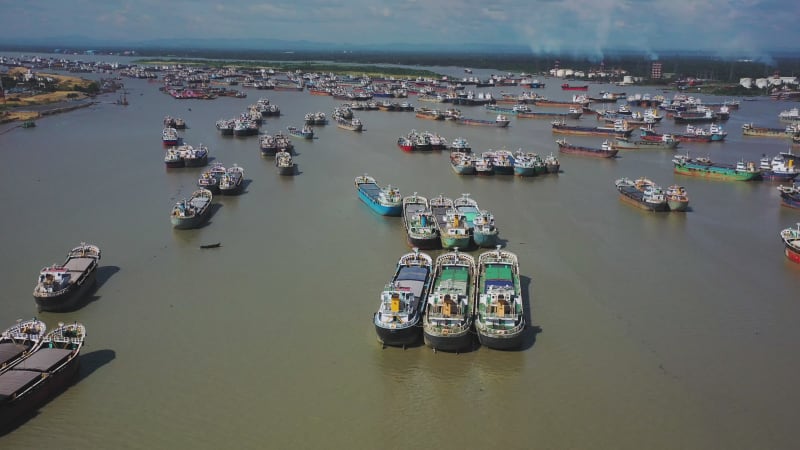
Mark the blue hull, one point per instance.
(524, 171)
(384, 210)
(790, 201)
(772, 176)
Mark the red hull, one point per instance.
(793, 255)
(566, 87)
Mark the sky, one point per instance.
(741, 28)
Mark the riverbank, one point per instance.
(44, 110)
(32, 105)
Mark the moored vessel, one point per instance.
(791, 243)
(646, 196)
(232, 181)
(194, 156)
(192, 212)
(402, 301)
(20, 341)
(501, 121)
(462, 163)
(419, 223)
(677, 198)
(617, 130)
(384, 201)
(551, 164)
(790, 196)
(448, 313)
(777, 169)
(453, 228)
(60, 287)
(605, 150)
(667, 142)
(705, 168)
(306, 132)
(790, 130)
(284, 163)
(44, 374)
(169, 137)
(499, 309)
(353, 124)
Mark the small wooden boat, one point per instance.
(499, 308)
(419, 223)
(192, 212)
(61, 286)
(20, 341)
(402, 301)
(448, 313)
(285, 163)
(214, 245)
(232, 181)
(384, 201)
(791, 243)
(41, 376)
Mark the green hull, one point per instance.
(461, 242)
(715, 173)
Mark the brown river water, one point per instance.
(655, 331)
